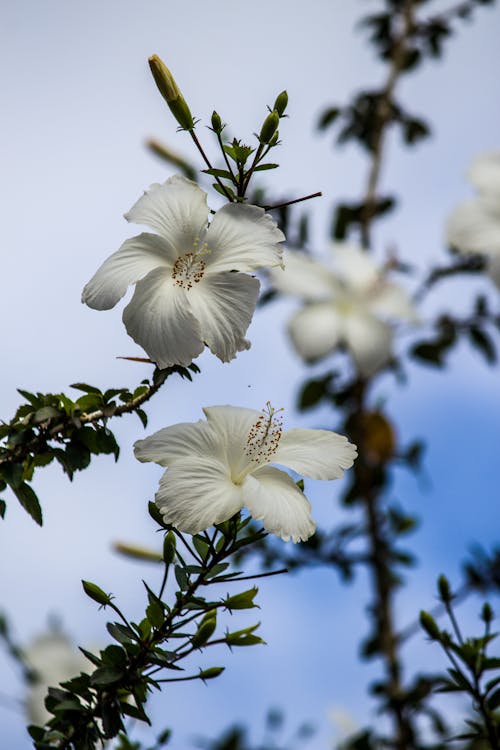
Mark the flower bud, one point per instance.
(269, 127)
(281, 103)
(169, 548)
(96, 593)
(429, 625)
(171, 92)
(216, 122)
(444, 589)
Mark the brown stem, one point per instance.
(383, 119)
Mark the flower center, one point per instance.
(189, 268)
(264, 435)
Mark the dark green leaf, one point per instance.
(29, 501)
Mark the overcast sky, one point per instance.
(78, 104)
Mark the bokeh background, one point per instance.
(78, 104)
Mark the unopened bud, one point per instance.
(444, 589)
(269, 127)
(216, 122)
(169, 548)
(429, 625)
(171, 93)
(281, 103)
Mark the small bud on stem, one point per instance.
(171, 93)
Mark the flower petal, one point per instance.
(272, 497)
(233, 423)
(316, 330)
(319, 454)
(135, 258)
(390, 300)
(196, 493)
(304, 277)
(354, 265)
(159, 319)
(177, 209)
(243, 238)
(224, 304)
(472, 228)
(179, 441)
(369, 341)
(484, 173)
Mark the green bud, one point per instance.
(269, 127)
(169, 548)
(171, 93)
(96, 593)
(216, 122)
(274, 139)
(429, 625)
(210, 673)
(281, 103)
(205, 629)
(487, 613)
(245, 600)
(444, 589)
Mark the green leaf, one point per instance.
(3, 508)
(29, 501)
(85, 388)
(265, 167)
(205, 629)
(483, 343)
(227, 192)
(219, 173)
(142, 416)
(106, 676)
(121, 633)
(181, 577)
(201, 546)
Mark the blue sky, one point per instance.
(79, 103)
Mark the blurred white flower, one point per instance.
(187, 294)
(346, 302)
(218, 466)
(474, 225)
(54, 659)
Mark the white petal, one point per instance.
(304, 277)
(177, 209)
(135, 258)
(233, 423)
(179, 441)
(369, 341)
(223, 304)
(471, 228)
(354, 265)
(316, 330)
(272, 497)
(484, 173)
(196, 493)
(391, 300)
(159, 319)
(243, 238)
(318, 454)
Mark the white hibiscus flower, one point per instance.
(474, 225)
(218, 466)
(346, 302)
(54, 658)
(187, 294)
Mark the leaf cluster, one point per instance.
(91, 708)
(54, 427)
